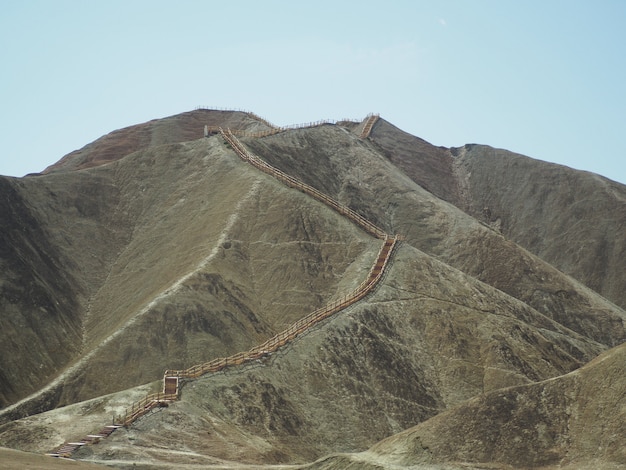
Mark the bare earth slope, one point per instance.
(570, 422)
(572, 219)
(410, 351)
(16, 460)
(62, 235)
(162, 249)
(40, 300)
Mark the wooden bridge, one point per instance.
(173, 379)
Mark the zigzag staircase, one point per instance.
(173, 378)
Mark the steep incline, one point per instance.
(392, 194)
(572, 219)
(40, 299)
(295, 183)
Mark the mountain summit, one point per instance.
(491, 334)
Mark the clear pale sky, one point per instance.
(545, 78)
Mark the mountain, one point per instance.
(493, 338)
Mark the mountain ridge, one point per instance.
(527, 322)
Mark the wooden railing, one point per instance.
(172, 378)
(143, 406)
(67, 449)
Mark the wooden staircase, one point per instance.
(67, 449)
(369, 124)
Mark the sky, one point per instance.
(544, 78)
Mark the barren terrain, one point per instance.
(494, 340)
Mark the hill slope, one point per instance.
(570, 422)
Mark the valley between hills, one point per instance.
(492, 338)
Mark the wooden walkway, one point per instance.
(172, 378)
(67, 449)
